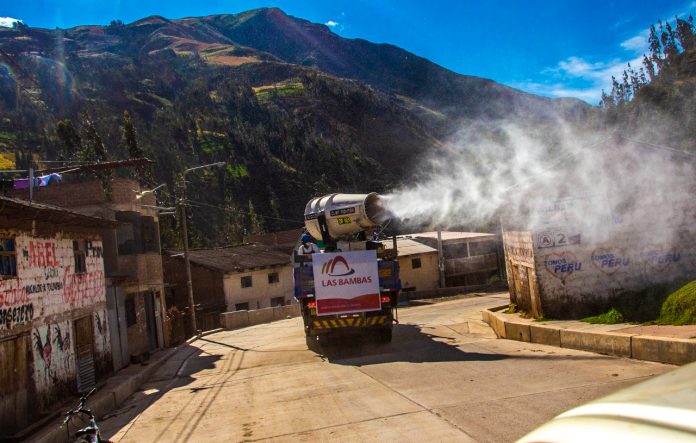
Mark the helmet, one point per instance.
(306, 238)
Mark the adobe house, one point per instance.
(54, 336)
(417, 265)
(132, 256)
(233, 278)
(628, 224)
(471, 258)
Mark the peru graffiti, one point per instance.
(562, 266)
(610, 260)
(659, 259)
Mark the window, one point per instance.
(277, 301)
(241, 307)
(273, 278)
(128, 234)
(150, 234)
(246, 281)
(8, 258)
(80, 251)
(415, 263)
(130, 311)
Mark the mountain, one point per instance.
(294, 109)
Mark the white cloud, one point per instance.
(6, 22)
(577, 77)
(331, 24)
(558, 90)
(638, 43)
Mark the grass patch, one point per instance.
(265, 93)
(608, 318)
(237, 170)
(672, 303)
(680, 307)
(512, 309)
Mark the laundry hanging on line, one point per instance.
(44, 180)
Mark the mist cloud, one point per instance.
(583, 180)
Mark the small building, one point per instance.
(233, 278)
(54, 335)
(470, 258)
(132, 258)
(418, 269)
(624, 227)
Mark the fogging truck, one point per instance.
(352, 287)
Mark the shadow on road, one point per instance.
(175, 374)
(409, 344)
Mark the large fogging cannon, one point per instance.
(337, 215)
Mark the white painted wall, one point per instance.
(261, 292)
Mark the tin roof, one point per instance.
(280, 238)
(19, 210)
(454, 235)
(238, 258)
(407, 246)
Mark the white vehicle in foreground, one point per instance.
(662, 409)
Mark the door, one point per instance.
(84, 353)
(14, 408)
(150, 320)
(117, 325)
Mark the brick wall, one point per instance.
(208, 293)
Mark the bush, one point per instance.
(680, 306)
(608, 318)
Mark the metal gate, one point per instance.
(150, 321)
(115, 307)
(84, 351)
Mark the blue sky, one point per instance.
(552, 48)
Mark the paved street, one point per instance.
(445, 377)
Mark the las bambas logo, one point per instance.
(339, 267)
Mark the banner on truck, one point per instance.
(346, 282)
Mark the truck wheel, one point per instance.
(384, 335)
(311, 341)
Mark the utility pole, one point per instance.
(184, 227)
(440, 259)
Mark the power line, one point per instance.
(201, 204)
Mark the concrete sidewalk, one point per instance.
(108, 397)
(665, 344)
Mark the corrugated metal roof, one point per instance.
(280, 238)
(407, 246)
(454, 235)
(238, 258)
(18, 209)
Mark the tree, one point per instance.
(255, 223)
(70, 140)
(129, 137)
(655, 48)
(93, 146)
(649, 67)
(685, 33)
(667, 39)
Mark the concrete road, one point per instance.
(445, 377)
